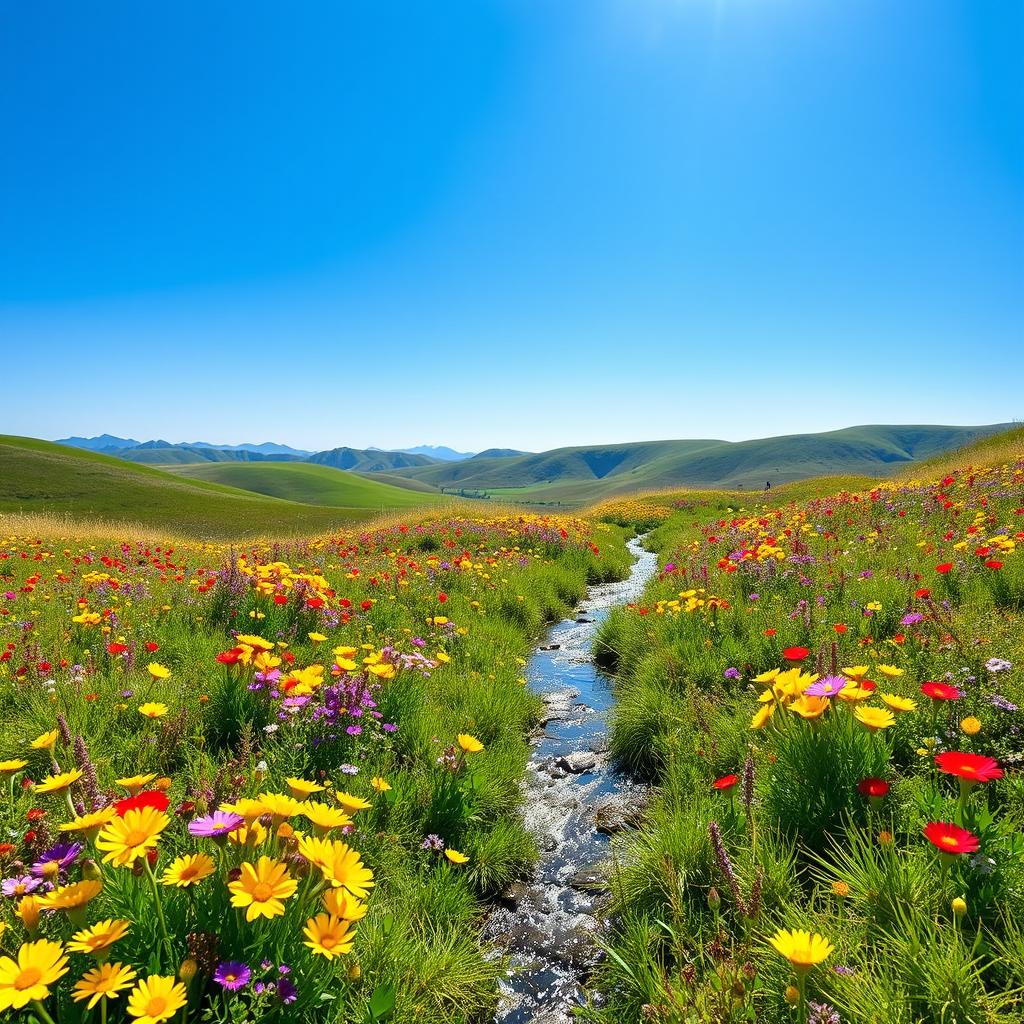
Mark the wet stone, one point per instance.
(578, 761)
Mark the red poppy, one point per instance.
(230, 657)
(873, 787)
(944, 567)
(993, 563)
(940, 691)
(795, 653)
(152, 647)
(923, 592)
(36, 814)
(950, 838)
(725, 782)
(840, 627)
(114, 648)
(6, 848)
(770, 632)
(969, 767)
(868, 684)
(366, 605)
(442, 597)
(280, 599)
(147, 798)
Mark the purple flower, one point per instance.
(220, 823)
(997, 665)
(753, 597)
(286, 991)
(232, 975)
(57, 860)
(827, 687)
(731, 673)
(21, 886)
(911, 619)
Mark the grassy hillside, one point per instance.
(372, 461)
(588, 473)
(309, 484)
(181, 454)
(37, 477)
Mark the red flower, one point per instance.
(873, 787)
(993, 563)
(940, 691)
(115, 648)
(366, 605)
(944, 567)
(840, 627)
(6, 848)
(770, 632)
(230, 657)
(795, 653)
(442, 597)
(970, 767)
(36, 814)
(950, 838)
(147, 798)
(280, 599)
(152, 647)
(725, 782)
(923, 592)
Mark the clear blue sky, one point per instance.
(509, 222)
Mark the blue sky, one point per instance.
(523, 223)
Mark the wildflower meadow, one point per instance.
(273, 781)
(825, 689)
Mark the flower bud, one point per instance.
(959, 906)
(355, 972)
(792, 995)
(714, 900)
(187, 970)
(91, 870)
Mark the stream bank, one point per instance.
(574, 801)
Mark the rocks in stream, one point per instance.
(577, 762)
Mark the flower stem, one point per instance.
(41, 1010)
(154, 885)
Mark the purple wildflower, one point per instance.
(21, 886)
(212, 826)
(57, 860)
(731, 673)
(286, 991)
(232, 975)
(827, 687)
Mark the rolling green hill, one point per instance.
(369, 460)
(588, 473)
(182, 454)
(38, 477)
(309, 484)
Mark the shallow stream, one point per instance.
(574, 801)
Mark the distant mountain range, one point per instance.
(435, 451)
(112, 445)
(587, 472)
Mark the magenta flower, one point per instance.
(232, 975)
(212, 826)
(827, 687)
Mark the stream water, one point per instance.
(574, 800)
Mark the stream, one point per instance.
(574, 801)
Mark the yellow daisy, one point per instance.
(262, 888)
(188, 870)
(97, 939)
(103, 982)
(329, 936)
